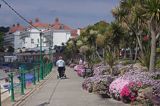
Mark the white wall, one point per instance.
(78, 32)
(60, 37)
(33, 39)
(17, 40)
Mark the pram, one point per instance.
(63, 74)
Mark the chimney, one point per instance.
(37, 20)
(13, 25)
(57, 19)
(18, 24)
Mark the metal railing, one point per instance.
(21, 75)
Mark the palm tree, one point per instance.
(117, 36)
(151, 10)
(139, 15)
(129, 18)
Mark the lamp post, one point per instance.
(41, 61)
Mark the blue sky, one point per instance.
(75, 13)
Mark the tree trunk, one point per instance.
(140, 44)
(99, 55)
(130, 53)
(153, 51)
(104, 56)
(125, 54)
(136, 52)
(118, 52)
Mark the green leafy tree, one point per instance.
(151, 10)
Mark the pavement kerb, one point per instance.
(37, 87)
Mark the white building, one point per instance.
(28, 38)
(31, 36)
(12, 38)
(53, 34)
(59, 34)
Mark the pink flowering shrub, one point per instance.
(101, 84)
(88, 84)
(100, 70)
(116, 87)
(80, 69)
(98, 84)
(126, 89)
(130, 91)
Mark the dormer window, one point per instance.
(62, 26)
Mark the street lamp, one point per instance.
(41, 61)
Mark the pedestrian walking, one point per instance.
(61, 67)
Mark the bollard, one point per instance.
(22, 83)
(34, 76)
(12, 86)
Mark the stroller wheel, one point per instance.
(65, 76)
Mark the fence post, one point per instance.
(24, 79)
(12, 86)
(51, 66)
(47, 68)
(22, 82)
(44, 70)
(34, 76)
(37, 73)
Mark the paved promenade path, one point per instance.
(66, 92)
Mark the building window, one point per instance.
(38, 40)
(62, 26)
(32, 40)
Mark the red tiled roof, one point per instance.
(38, 24)
(57, 25)
(15, 28)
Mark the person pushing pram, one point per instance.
(61, 67)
